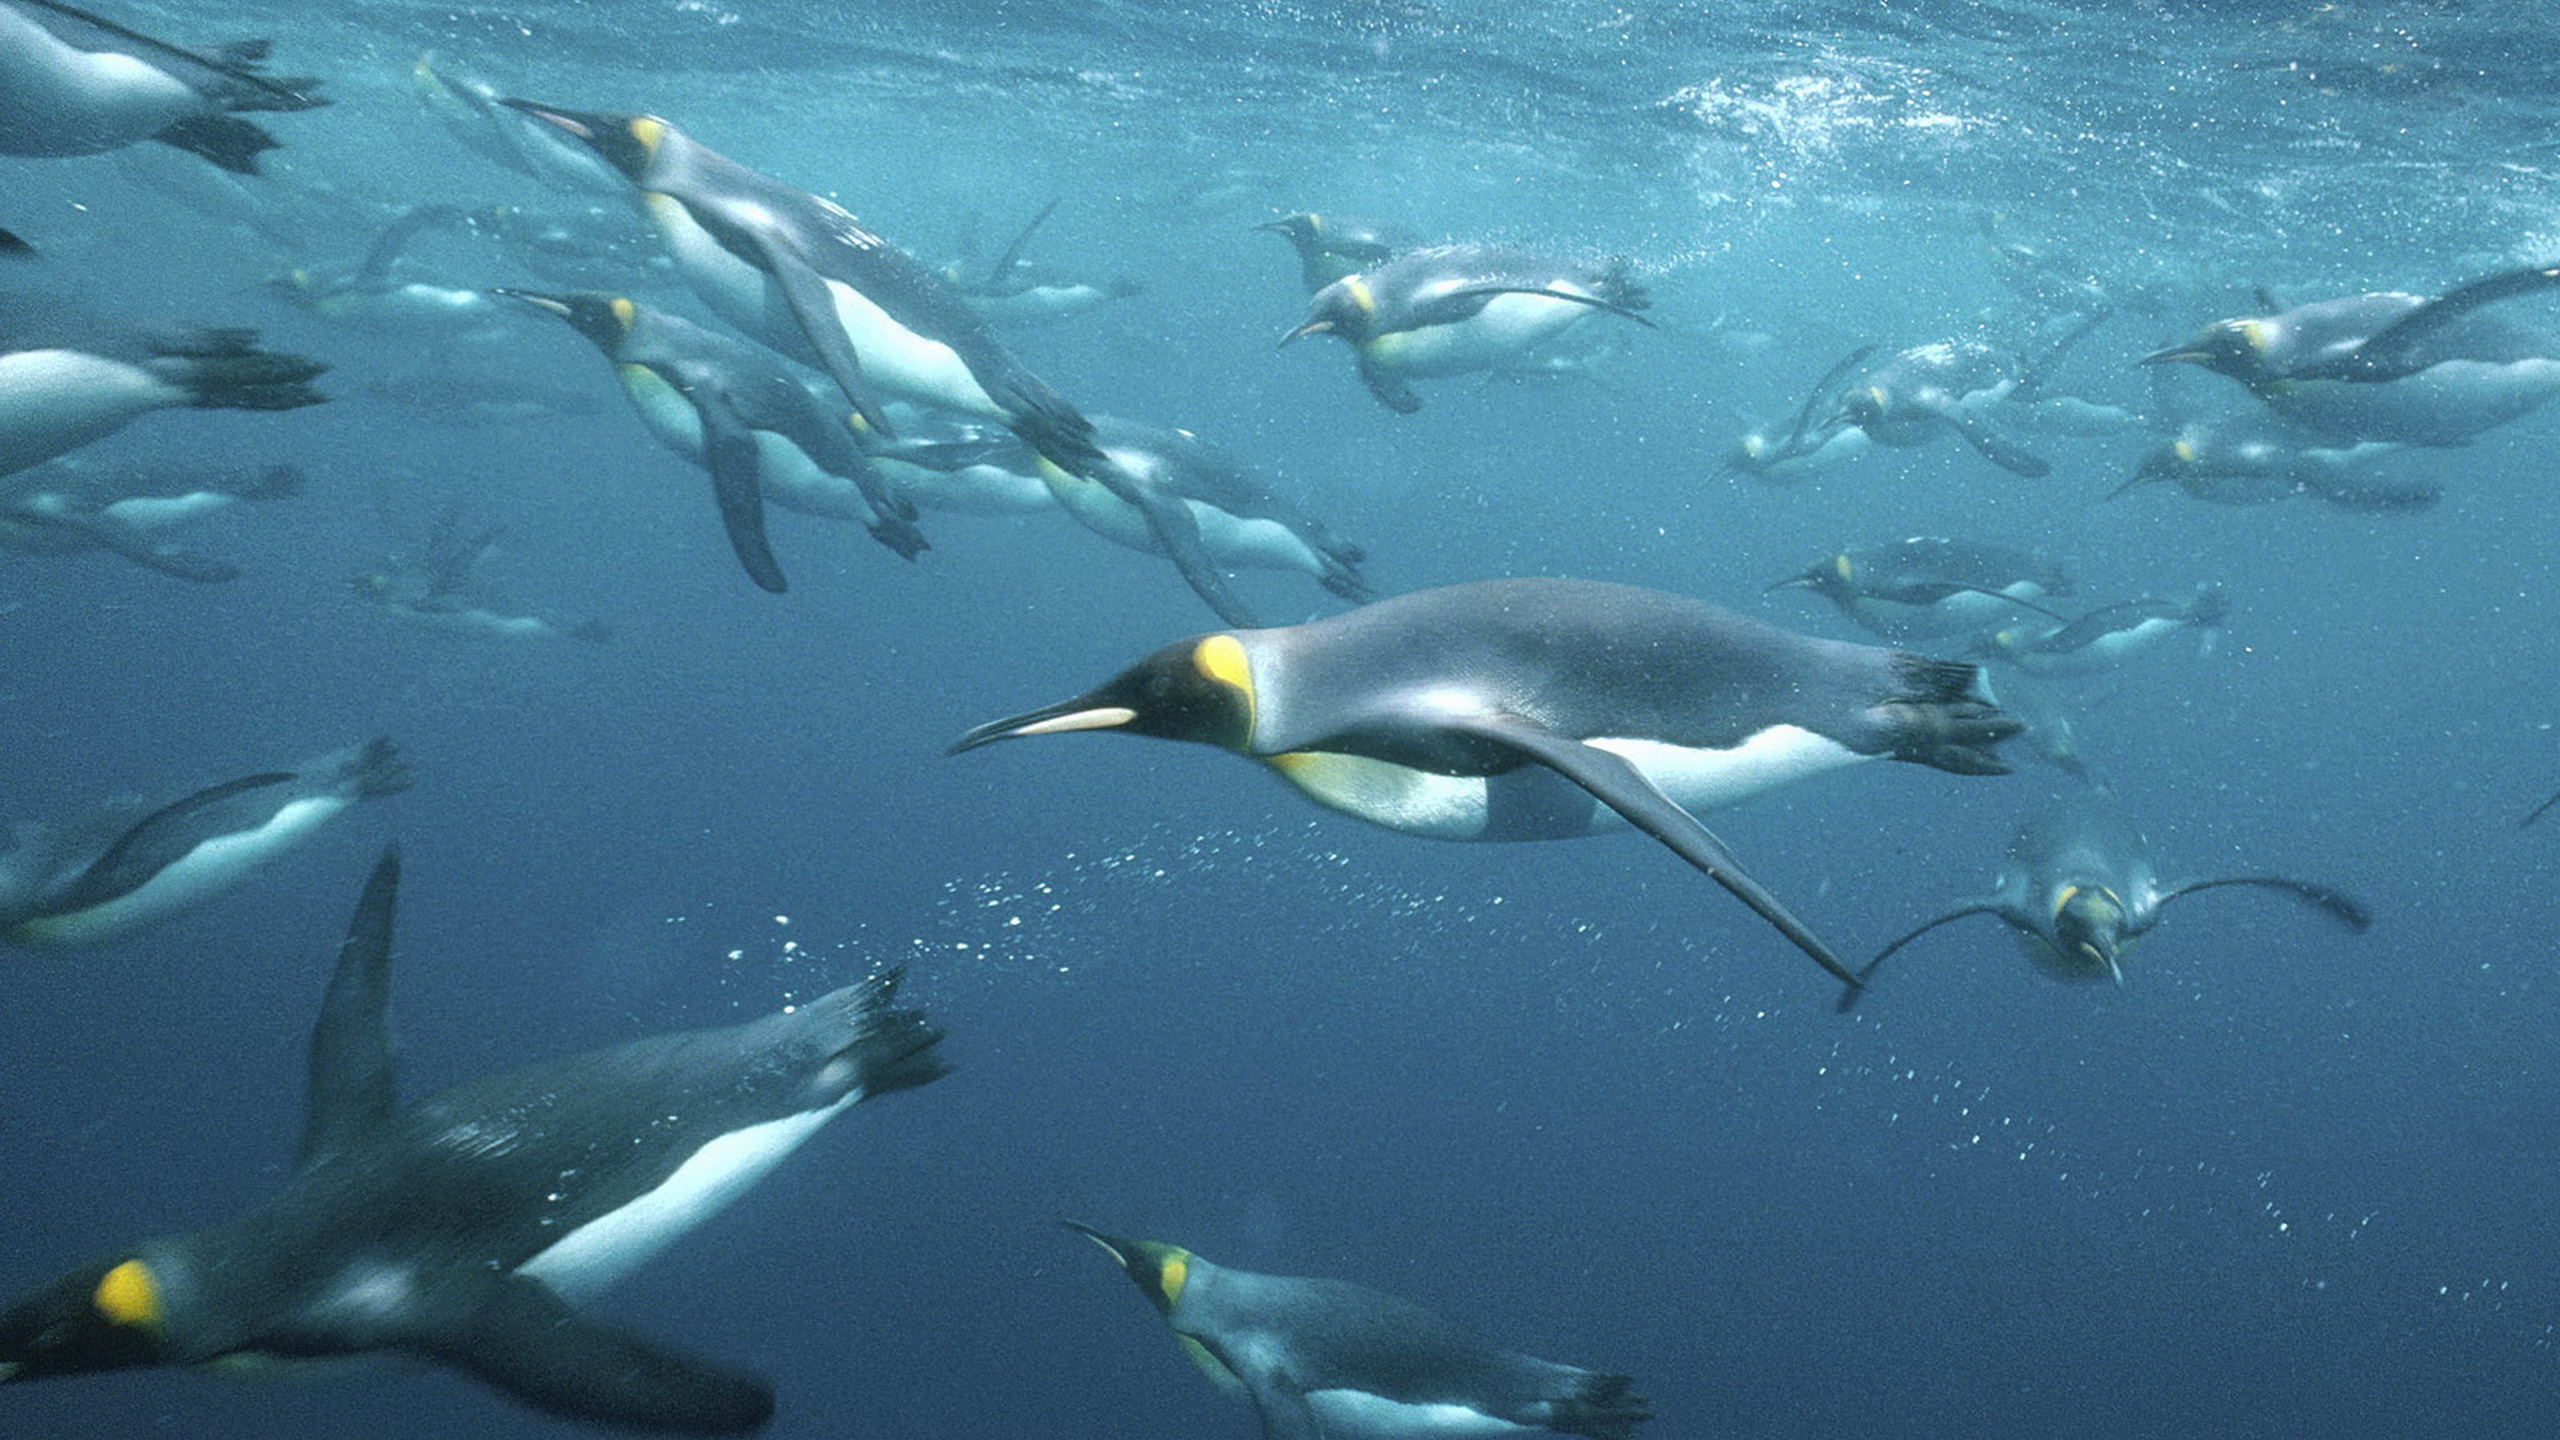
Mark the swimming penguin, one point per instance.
(797, 272)
(475, 114)
(1948, 385)
(57, 394)
(64, 509)
(1451, 309)
(2080, 887)
(935, 464)
(1015, 291)
(1546, 709)
(2108, 636)
(132, 864)
(435, 588)
(1333, 246)
(2387, 366)
(1325, 1358)
(74, 83)
(372, 296)
(737, 412)
(465, 1228)
(1928, 586)
(1808, 447)
(2254, 460)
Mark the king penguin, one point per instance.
(66, 382)
(130, 864)
(66, 509)
(797, 272)
(1928, 586)
(1323, 1358)
(730, 408)
(2080, 888)
(465, 1228)
(1451, 309)
(74, 83)
(1546, 709)
(1332, 246)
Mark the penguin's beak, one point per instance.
(1077, 714)
(1120, 1249)
(585, 126)
(535, 298)
(2175, 355)
(1793, 582)
(1312, 327)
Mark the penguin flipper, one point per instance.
(1391, 392)
(513, 1333)
(1468, 299)
(149, 844)
(729, 449)
(228, 141)
(354, 1077)
(2394, 351)
(1284, 1412)
(1866, 976)
(814, 306)
(1615, 782)
(1822, 388)
(14, 248)
(1997, 448)
(2336, 904)
(1178, 531)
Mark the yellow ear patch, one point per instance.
(1358, 289)
(2185, 450)
(624, 312)
(2062, 900)
(2255, 333)
(1170, 1279)
(649, 130)
(128, 1295)
(1841, 566)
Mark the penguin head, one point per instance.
(629, 143)
(2089, 933)
(2237, 348)
(1159, 1269)
(105, 1316)
(1862, 406)
(1199, 689)
(1347, 308)
(604, 319)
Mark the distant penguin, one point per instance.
(467, 1227)
(1928, 586)
(128, 865)
(2387, 366)
(60, 391)
(2104, 638)
(1330, 247)
(1452, 309)
(63, 509)
(74, 83)
(373, 296)
(2080, 887)
(742, 415)
(1546, 709)
(1938, 388)
(1325, 1358)
(800, 274)
(1013, 291)
(2253, 460)
(436, 590)
(1808, 447)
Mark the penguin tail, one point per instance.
(1616, 283)
(1940, 716)
(890, 1049)
(375, 769)
(1604, 1407)
(226, 140)
(225, 370)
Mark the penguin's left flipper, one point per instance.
(1391, 392)
(1997, 448)
(354, 1081)
(153, 843)
(814, 306)
(1282, 1408)
(1615, 782)
(729, 449)
(2398, 349)
(1466, 300)
(1178, 531)
(2336, 904)
(1866, 975)
(516, 1335)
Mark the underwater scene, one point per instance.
(617, 622)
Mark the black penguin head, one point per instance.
(2237, 348)
(1862, 406)
(604, 319)
(629, 143)
(1198, 689)
(105, 1316)
(1159, 1269)
(1836, 577)
(2089, 933)
(1346, 308)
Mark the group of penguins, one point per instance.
(468, 1227)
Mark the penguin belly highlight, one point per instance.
(56, 100)
(52, 401)
(213, 866)
(1507, 325)
(1375, 1417)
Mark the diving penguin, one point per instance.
(2080, 887)
(2253, 459)
(2387, 366)
(797, 272)
(1330, 247)
(1955, 385)
(67, 508)
(464, 1228)
(74, 83)
(737, 412)
(1321, 1357)
(2106, 637)
(1451, 309)
(1546, 709)
(1928, 586)
(64, 384)
(132, 863)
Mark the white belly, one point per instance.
(1229, 539)
(1357, 1413)
(785, 473)
(150, 512)
(52, 401)
(1507, 325)
(970, 490)
(595, 1255)
(55, 100)
(212, 867)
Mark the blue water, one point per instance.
(2281, 1183)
